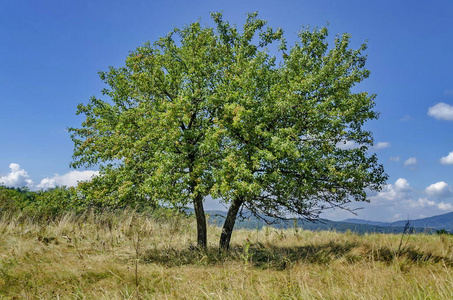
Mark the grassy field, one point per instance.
(130, 256)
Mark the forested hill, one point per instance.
(428, 225)
(444, 221)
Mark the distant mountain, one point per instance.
(444, 221)
(366, 222)
(439, 222)
(251, 222)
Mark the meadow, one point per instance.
(137, 255)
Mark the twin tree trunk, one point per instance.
(228, 226)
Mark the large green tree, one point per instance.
(209, 111)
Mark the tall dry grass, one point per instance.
(129, 255)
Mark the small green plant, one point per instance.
(246, 255)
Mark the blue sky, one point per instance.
(51, 51)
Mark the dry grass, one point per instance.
(130, 256)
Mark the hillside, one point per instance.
(250, 222)
(366, 222)
(444, 221)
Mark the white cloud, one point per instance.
(68, 179)
(381, 145)
(400, 199)
(411, 161)
(394, 158)
(402, 185)
(439, 189)
(47, 183)
(388, 193)
(392, 192)
(441, 111)
(18, 177)
(424, 203)
(447, 160)
(347, 145)
(445, 206)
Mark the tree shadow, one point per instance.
(256, 255)
(386, 255)
(281, 258)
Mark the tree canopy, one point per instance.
(211, 111)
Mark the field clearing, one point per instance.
(131, 256)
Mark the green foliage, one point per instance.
(14, 199)
(209, 111)
(53, 202)
(285, 125)
(40, 204)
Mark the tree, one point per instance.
(284, 154)
(207, 111)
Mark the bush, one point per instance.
(49, 204)
(443, 231)
(13, 199)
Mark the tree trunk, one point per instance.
(228, 226)
(202, 234)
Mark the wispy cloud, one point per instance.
(447, 160)
(441, 111)
(395, 158)
(411, 161)
(448, 92)
(406, 118)
(381, 145)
